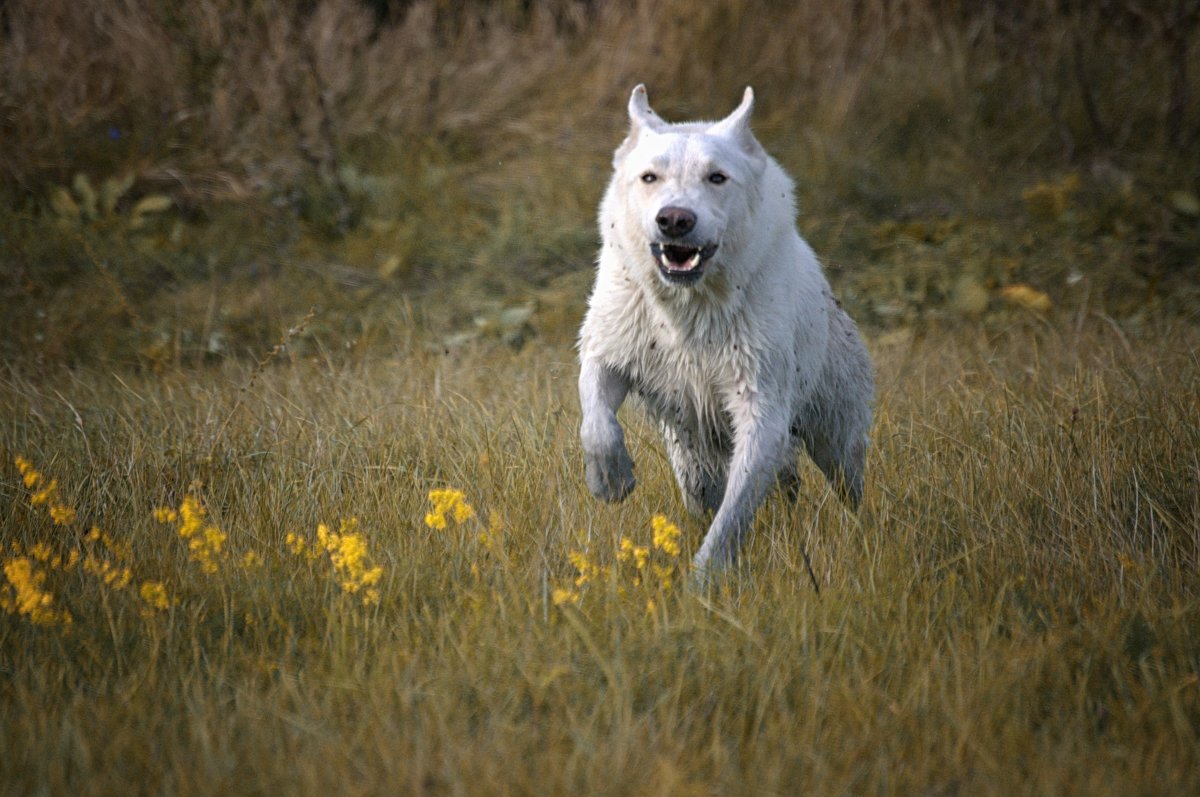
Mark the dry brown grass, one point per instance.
(447, 161)
(452, 153)
(1014, 610)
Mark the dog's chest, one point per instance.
(693, 381)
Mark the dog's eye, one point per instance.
(649, 177)
(716, 178)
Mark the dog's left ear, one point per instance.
(737, 126)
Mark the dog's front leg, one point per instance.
(609, 469)
(760, 451)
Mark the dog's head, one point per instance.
(685, 190)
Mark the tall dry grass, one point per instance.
(220, 93)
(1014, 610)
(373, 159)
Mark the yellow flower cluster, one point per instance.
(348, 555)
(46, 493)
(109, 565)
(25, 594)
(586, 571)
(448, 502)
(301, 547)
(653, 565)
(28, 573)
(629, 551)
(154, 595)
(41, 552)
(120, 550)
(24, 591)
(115, 576)
(666, 535)
(205, 541)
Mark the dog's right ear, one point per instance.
(641, 118)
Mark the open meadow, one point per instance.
(291, 491)
(1014, 610)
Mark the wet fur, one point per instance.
(742, 370)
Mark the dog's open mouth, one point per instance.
(681, 263)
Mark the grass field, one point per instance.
(291, 495)
(1014, 610)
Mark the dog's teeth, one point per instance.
(688, 265)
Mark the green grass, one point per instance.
(1013, 610)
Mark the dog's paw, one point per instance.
(609, 474)
(706, 571)
(714, 575)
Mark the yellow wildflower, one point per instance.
(348, 555)
(666, 535)
(112, 575)
(119, 550)
(191, 517)
(587, 569)
(28, 473)
(47, 495)
(154, 594)
(561, 596)
(165, 514)
(62, 515)
(445, 502)
(295, 543)
(29, 598)
(44, 495)
(629, 551)
(204, 541)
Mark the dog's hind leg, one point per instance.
(842, 463)
(790, 483)
(701, 478)
(837, 421)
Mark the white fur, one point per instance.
(743, 367)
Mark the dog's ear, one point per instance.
(640, 112)
(641, 118)
(737, 126)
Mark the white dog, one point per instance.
(714, 311)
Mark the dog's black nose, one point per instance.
(674, 221)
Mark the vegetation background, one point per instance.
(281, 270)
